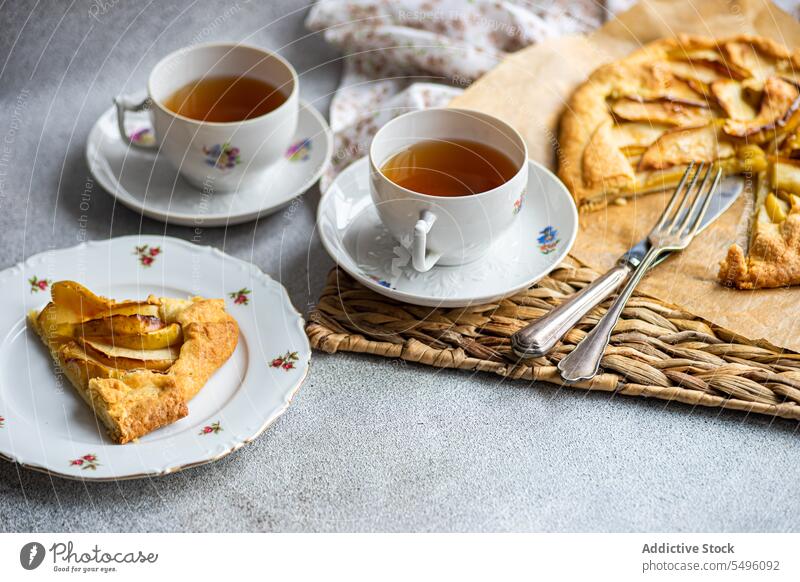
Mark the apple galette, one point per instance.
(636, 123)
(135, 363)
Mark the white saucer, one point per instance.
(354, 236)
(146, 182)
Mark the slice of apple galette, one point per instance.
(636, 123)
(135, 363)
(769, 256)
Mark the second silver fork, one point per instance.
(674, 231)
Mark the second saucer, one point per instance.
(354, 236)
(147, 182)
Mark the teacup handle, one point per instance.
(125, 104)
(421, 259)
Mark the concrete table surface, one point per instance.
(368, 444)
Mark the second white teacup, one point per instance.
(447, 230)
(224, 156)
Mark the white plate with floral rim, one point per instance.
(45, 425)
(147, 182)
(356, 239)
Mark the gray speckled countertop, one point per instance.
(368, 444)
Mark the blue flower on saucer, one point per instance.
(548, 240)
(547, 235)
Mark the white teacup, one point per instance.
(222, 156)
(447, 230)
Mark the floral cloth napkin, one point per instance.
(402, 55)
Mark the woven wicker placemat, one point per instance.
(657, 350)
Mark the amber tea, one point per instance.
(455, 167)
(225, 99)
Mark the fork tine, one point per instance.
(696, 225)
(669, 235)
(678, 218)
(688, 219)
(668, 209)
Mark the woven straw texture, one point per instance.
(657, 350)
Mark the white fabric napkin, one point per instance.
(402, 55)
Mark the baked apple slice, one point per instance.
(731, 96)
(682, 146)
(119, 325)
(128, 358)
(785, 175)
(75, 304)
(169, 335)
(662, 111)
(779, 102)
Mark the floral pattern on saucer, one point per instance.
(85, 462)
(147, 254)
(143, 136)
(241, 297)
(38, 284)
(548, 240)
(286, 361)
(300, 151)
(222, 156)
(212, 428)
(379, 281)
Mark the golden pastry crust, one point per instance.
(636, 123)
(592, 164)
(773, 259)
(210, 337)
(132, 403)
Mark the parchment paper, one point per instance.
(529, 90)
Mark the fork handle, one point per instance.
(539, 337)
(583, 362)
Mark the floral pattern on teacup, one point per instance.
(300, 151)
(548, 240)
(2, 422)
(518, 204)
(222, 156)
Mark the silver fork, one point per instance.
(673, 232)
